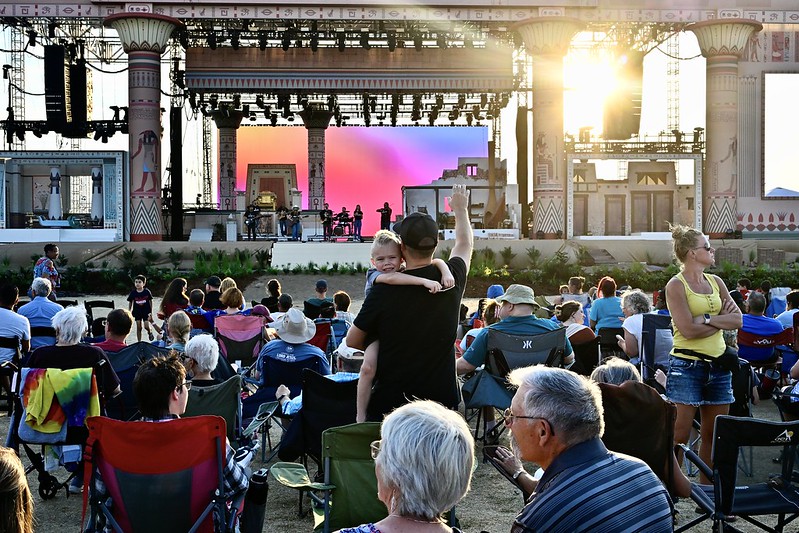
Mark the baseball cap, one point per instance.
(518, 294)
(213, 281)
(321, 285)
(418, 231)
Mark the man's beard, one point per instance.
(514, 446)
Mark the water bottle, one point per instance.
(252, 521)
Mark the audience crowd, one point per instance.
(409, 379)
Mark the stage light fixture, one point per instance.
(314, 41)
(262, 40)
(211, 40)
(236, 101)
(259, 101)
(418, 42)
(245, 110)
(51, 27)
(364, 40)
(469, 119)
(392, 41)
(234, 39)
(273, 119)
(342, 42)
(286, 41)
(483, 100)
(32, 37)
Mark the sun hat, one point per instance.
(294, 328)
(418, 231)
(518, 294)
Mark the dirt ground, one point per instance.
(490, 506)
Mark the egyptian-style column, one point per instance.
(144, 38)
(316, 118)
(722, 41)
(547, 40)
(54, 210)
(97, 194)
(228, 122)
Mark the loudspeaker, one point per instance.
(56, 79)
(622, 112)
(79, 97)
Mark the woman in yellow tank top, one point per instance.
(701, 308)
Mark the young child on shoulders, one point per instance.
(387, 268)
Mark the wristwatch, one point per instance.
(518, 473)
(707, 318)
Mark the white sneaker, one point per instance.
(74, 489)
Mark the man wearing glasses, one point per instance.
(556, 420)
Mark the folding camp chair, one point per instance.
(657, 340)
(608, 344)
(329, 334)
(179, 488)
(760, 349)
(8, 369)
(223, 399)
(199, 324)
(240, 337)
(349, 492)
(45, 336)
(777, 496)
(74, 394)
(505, 352)
(125, 363)
(586, 356)
(96, 322)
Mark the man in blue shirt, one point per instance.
(294, 330)
(40, 310)
(756, 324)
(516, 318)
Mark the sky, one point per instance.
(369, 165)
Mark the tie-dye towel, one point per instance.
(53, 397)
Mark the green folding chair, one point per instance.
(223, 399)
(348, 495)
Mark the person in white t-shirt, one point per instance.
(635, 304)
(12, 324)
(792, 306)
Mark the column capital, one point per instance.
(143, 32)
(724, 37)
(548, 35)
(316, 115)
(227, 118)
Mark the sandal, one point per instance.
(152, 337)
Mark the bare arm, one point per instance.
(365, 380)
(681, 315)
(356, 338)
(447, 280)
(464, 239)
(629, 344)
(400, 278)
(462, 366)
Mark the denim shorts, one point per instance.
(698, 383)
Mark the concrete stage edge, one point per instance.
(287, 254)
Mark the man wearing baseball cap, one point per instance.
(515, 311)
(415, 363)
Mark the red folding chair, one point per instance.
(176, 489)
(759, 349)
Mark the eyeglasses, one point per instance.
(186, 384)
(374, 448)
(706, 248)
(509, 417)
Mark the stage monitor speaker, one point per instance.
(622, 111)
(56, 81)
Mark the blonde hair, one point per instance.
(383, 238)
(684, 240)
(227, 283)
(16, 502)
(179, 326)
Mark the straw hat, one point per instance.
(294, 328)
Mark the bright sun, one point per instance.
(588, 80)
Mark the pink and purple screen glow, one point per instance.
(366, 166)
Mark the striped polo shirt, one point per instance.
(588, 488)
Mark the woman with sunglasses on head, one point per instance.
(701, 308)
(423, 465)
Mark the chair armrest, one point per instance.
(295, 476)
(266, 411)
(694, 458)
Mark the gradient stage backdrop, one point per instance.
(366, 166)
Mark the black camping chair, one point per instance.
(657, 340)
(489, 388)
(778, 496)
(586, 357)
(608, 344)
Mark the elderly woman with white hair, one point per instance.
(634, 304)
(70, 325)
(200, 359)
(423, 465)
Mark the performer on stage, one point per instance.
(326, 215)
(251, 221)
(385, 216)
(296, 225)
(357, 221)
(343, 216)
(282, 219)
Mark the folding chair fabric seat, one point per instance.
(349, 470)
(223, 399)
(171, 490)
(125, 363)
(760, 349)
(240, 337)
(586, 356)
(657, 340)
